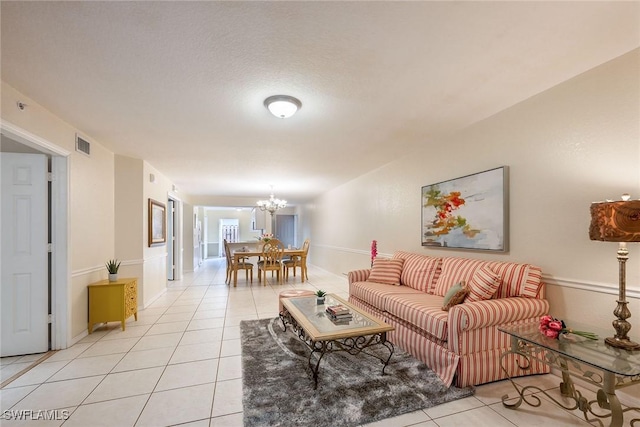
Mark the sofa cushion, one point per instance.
(483, 284)
(515, 279)
(421, 310)
(375, 293)
(419, 271)
(455, 270)
(386, 271)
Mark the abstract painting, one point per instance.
(470, 212)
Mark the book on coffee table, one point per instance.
(336, 310)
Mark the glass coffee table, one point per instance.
(593, 361)
(322, 335)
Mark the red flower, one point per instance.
(551, 333)
(556, 325)
(552, 328)
(544, 320)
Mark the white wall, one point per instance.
(188, 228)
(134, 188)
(154, 275)
(573, 144)
(129, 223)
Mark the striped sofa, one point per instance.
(462, 345)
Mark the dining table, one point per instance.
(239, 254)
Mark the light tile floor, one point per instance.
(179, 364)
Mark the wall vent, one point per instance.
(83, 146)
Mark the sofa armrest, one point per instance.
(480, 314)
(359, 275)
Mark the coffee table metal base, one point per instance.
(606, 406)
(352, 345)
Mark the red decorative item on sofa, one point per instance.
(374, 251)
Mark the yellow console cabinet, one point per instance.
(113, 301)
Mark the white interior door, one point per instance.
(229, 230)
(286, 229)
(24, 295)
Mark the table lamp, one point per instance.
(618, 222)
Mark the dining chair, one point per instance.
(272, 252)
(296, 261)
(233, 267)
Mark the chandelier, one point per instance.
(272, 204)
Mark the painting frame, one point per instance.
(157, 223)
(467, 213)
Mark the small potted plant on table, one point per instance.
(320, 294)
(112, 267)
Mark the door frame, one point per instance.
(171, 240)
(60, 268)
(177, 232)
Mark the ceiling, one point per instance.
(182, 84)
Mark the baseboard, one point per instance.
(153, 299)
(78, 337)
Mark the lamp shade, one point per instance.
(615, 221)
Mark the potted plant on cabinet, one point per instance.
(112, 267)
(320, 294)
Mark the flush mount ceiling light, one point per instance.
(282, 106)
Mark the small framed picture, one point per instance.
(157, 223)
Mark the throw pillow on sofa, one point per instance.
(455, 295)
(386, 271)
(483, 284)
(419, 271)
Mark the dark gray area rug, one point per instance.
(278, 389)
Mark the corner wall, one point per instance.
(129, 224)
(154, 275)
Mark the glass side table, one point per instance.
(608, 368)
